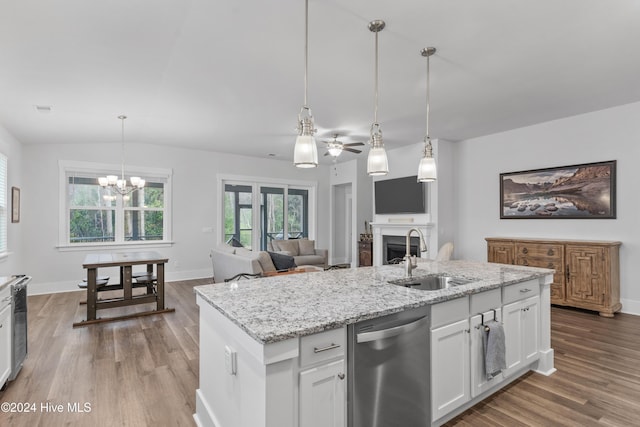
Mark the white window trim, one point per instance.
(65, 166)
(257, 182)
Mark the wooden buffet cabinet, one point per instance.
(587, 272)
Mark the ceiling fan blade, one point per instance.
(352, 150)
(353, 144)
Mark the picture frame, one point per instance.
(15, 204)
(583, 191)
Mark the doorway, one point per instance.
(342, 242)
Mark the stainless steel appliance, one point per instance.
(19, 318)
(389, 381)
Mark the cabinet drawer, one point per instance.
(511, 293)
(449, 311)
(552, 263)
(322, 346)
(533, 250)
(485, 301)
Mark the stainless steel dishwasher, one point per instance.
(389, 381)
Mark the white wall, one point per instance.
(352, 173)
(11, 148)
(612, 134)
(194, 205)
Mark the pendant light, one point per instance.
(427, 168)
(305, 152)
(120, 186)
(377, 164)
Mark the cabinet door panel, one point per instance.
(513, 337)
(530, 319)
(585, 272)
(322, 396)
(449, 367)
(501, 253)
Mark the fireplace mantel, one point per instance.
(398, 228)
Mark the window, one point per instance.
(94, 216)
(274, 210)
(4, 206)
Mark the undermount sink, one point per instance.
(430, 283)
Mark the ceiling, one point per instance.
(227, 75)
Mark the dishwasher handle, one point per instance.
(390, 332)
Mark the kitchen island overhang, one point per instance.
(251, 331)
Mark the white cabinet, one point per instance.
(322, 387)
(5, 342)
(449, 367)
(522, 333)
(322, 395)
(479, 381)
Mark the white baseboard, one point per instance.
(630, 306)
(40, 288)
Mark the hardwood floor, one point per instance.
(138, 372)
(597, 382)
(144, 371)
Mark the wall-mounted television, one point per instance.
(400, 196)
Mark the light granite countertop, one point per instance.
(278, 308)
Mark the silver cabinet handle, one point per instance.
(329, 347)
(391, 332)
(525, 290)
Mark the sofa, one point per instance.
(303, 251)
(229, 262)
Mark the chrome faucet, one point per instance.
(410, 262)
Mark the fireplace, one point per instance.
(394, 248)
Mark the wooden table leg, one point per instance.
(92, 294)
(127, 284)
(160, 280)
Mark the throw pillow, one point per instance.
(282, 262)
(289, 246)
(265, 262)
(307, 247)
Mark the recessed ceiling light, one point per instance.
(43, 108)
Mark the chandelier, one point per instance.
(120, 186)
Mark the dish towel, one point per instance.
(494, 348)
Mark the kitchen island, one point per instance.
(273, 350)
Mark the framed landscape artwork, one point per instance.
(584, 191)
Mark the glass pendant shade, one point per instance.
(427, 170)
(305, 152)
(377, 164)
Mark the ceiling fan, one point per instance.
(335, 147)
